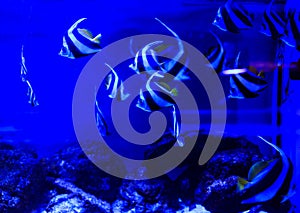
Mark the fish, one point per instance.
(292, 32)
(233, 18)
(267, 180)
(113, 81)
(146, 59)
(32, 97)
(273, 22)
(151, 100)
(100, 120)
(78, 42)
(24, 77)
(216, 56)
(246, 84)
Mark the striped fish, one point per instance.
(152, 100)
(79, 42)
(146, 59)
(273, 22)
(292, 33)
(246, 84)
(112, 82)
(267, 180)
(216, 56)
(233, 18)
(30, 93)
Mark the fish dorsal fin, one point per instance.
(166, 87)
(242, 182)
(160, 48)
(257, 169)
(86, 33)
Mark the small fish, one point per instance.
(24, 77)
(79, 42)
(292, 33)
(233, 18)
(267, 179)
(116, 92)
(146, 59)
(216, 56)
(151, 100)
(246, 84)
(273, 22)
(100, 121)
(30, 93)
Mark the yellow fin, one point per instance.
(160, 48)
(86, 33)
(164, 85)
(257, 168)
(241, 183)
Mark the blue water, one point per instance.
(40, 25)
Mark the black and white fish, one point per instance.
(116, 85)
(216, 56)
(79, 42)
(30, 93)
(24, 77)
(152, 100)
(273, 22)
(146, 59)
(246, 84)
(233, 18)
(267, 180)
(292, 33)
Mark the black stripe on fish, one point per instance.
(100, 121)
(216, 56)
(273, 23)
(233, 18)
(294, 21)
(246, 85)
(79, 42)
(272, 182)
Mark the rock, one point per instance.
(73, 166)
(21, 179)
(69, 203)
(76, 201)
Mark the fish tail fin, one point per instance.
(242, 182)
